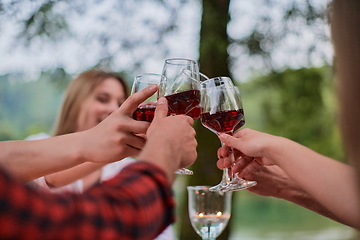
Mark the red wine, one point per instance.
(194, 113)
(239, 125)
(145, 112)
(222, 121)
(184, 103)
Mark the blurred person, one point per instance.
(89, 99)
(330, 187)
(135, 204)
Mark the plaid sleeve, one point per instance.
(136, 204)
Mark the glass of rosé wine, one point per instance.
(146, 110)
(222, 112)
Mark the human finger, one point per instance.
(249, 168)
(131, 151)
(161, 110)
(222, 152)
(241, 163)
(134, 141)
(133, 126)
(223, 163)
(133, 101)
(142, 135)
(230, 141)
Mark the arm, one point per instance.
(68, 176)
(107, 142)
(136, 204)
(274, 182)
(174, 127)
(331, 183)
(29, 160)
(171, 141)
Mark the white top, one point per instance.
(107, 172)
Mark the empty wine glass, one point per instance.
(222, 112)
(146, 110)
(209, 211)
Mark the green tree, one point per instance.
(220, 53)
(300, 105)
(213, 62)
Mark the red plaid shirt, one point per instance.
(136, 204)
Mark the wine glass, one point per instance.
(242, 121)
(222, 112)
(181, 88)
(209, 211)
(146, 110)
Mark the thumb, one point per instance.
(230, 141)
(161, 110)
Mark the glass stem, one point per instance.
(227, 173)
(232, 159)
(209, 232)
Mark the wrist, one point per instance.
(78, 151)
(162, 158)
(274, 150)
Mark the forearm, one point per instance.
(63, 178)
(136, 204)
(331, 183)
(28, 160)
(273, 181)
(304, 199)
(161, 158)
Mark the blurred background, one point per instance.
(278, 52)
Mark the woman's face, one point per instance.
(107, 97)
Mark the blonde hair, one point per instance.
(79, 89)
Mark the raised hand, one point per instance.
(119, 135)
(249, 147)
(171, 142)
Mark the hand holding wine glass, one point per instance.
(222, 112)
(181, 87)
(209, 211)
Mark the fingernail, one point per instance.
(223, 136)
(152, 87)
(161, 101)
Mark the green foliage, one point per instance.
(27, 107)
(58, 77)
(296, 104)
(271, 218)
(45, 22)
(273, 23)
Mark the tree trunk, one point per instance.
(213, 62)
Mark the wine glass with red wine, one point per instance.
(222, 112)
(146, 110)
(181, 88)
